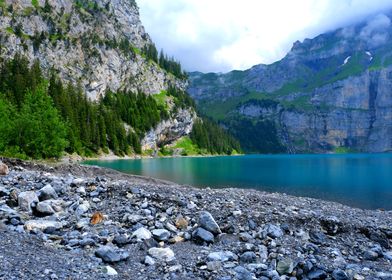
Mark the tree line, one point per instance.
(42, 118)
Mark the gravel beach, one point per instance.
(71, 221)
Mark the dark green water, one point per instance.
(360, 180)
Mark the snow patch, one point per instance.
(346, 60)
(370, 55)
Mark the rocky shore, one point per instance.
(79, 222)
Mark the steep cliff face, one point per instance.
(97, 44)
(331, 92)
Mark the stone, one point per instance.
(317, 237)
(41, 225)
(110, 271)
(4, 192)
(161, 234)
(121, 240)
(141, 234)
(181, 223)
(46, 193)
(162, 254)
(111, 255)
(25, 199)
(176, 239)
(273, 231)
(242, 273)
(285, 266)
(149, 261)
(222, 256)
(370, 255)
(96, 218)
(201, 235)
(82, 208)
(248, 257)
(4, 169)
(316, 274)
(45, 208)
(214, 266)
(170, 227)
(207, 222)
(87, 242)
(339, 274)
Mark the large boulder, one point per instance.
(47, 192)
(25, 199)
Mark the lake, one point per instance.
(359, 180)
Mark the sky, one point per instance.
(224, 35)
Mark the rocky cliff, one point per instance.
(330, 93)
(97, 44)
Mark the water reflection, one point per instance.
(360, 180)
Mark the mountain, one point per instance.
(109, 85)
(329, 93)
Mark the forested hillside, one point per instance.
(42, 118)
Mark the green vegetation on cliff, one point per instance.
(42, 118)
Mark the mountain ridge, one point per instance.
(337, 77)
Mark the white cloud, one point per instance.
(221, 35)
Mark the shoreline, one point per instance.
(249, 232)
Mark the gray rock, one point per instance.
(141, 234)
(47, 192)
(370, 255)
(121, 240)
(248, 257)
(161, 234)
(111, 255)
(222, 256)
(201, 235)
(82, 208)
(243, 274)
(41, 225)
(25, 199)
(316, 274)
(339, 274)
(207, 222)
(162, 254)
(45, 208)
(87, 242)
(285, 266)
(214, 266)
(149, 261)
(273, 231)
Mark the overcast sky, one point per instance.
(222, 35)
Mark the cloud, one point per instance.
(222, 35)
(375, 32)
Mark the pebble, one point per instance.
(208, 223)
(111, 255)
(45, 208)
(222, 256)
(201, 235)
(47, 192)
(285, 266)
(110, 271)
(161, 234)
(162, 254)
(142, 234)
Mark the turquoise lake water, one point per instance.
(359, 180)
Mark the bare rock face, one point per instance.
(99, 46)
(169, 130)
(328, 93)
